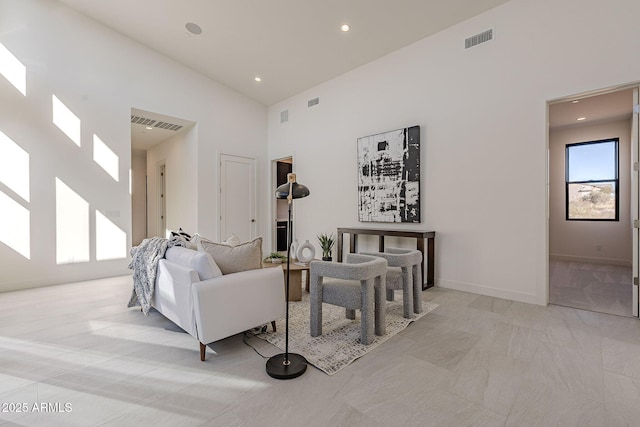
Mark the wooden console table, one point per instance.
(420, 236)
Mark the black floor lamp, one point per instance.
(285, 366)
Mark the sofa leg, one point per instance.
(273, 325)
(203, 351)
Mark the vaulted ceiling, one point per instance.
(291, 45)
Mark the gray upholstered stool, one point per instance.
(358, 283)
(405, 274)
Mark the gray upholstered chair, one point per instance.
(405, 274)
(357, 283)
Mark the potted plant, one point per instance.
(275, 258)
(326, 244)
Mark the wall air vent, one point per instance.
(472, 41)
(312, 102)
(150, 122)
(284, 116)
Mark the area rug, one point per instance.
(339, 344)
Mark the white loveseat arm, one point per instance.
(236, 302)
(172, 294)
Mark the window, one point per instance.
(592, 180)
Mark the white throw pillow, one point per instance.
(232, 241)
(202, 262)
(232, 259)
(193, 243)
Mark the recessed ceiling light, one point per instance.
(581, 119)
(149, 128)
(258, 79)
(575, 102)
(345, 27)
(193, 28)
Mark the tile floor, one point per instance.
(594, 287)
(474, 361)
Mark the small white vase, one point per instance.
(294, 248)
(306, 258)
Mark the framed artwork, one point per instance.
(389, 176)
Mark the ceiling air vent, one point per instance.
(284, 116)
(312, 102)
(478, 39)
(150, 122)
(167, 126)
(142, 121)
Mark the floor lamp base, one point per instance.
(277, 369)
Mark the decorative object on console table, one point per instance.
(389, 176)
(326, 244)
(287, 365)
(303, 257)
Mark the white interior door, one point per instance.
(635, 196)
(237, 197)
(162, 201)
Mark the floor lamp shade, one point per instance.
(287, 365)
(291, 187)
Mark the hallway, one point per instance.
(594, 287)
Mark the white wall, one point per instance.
(482, 114)
(100, 75)
(577, 240)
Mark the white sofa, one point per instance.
(191, 292)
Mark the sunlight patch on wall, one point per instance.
(72, 225)
(111, 241)
(66, 121)
(15, 226)
(13, 70)
(14, 166)
(105, 157)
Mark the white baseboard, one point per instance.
(590, 260)
(490, 292)
(40, 283)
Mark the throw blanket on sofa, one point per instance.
(144, 263)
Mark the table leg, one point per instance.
(307, 277)
(420, 247)
(295, 285)
(431, 250)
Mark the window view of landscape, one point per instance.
(597, 201)
(592, 180)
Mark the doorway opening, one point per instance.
(590, 232)
(281, 167)
(158, 147)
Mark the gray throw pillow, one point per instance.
(232, 259)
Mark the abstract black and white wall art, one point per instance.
(389, 176)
